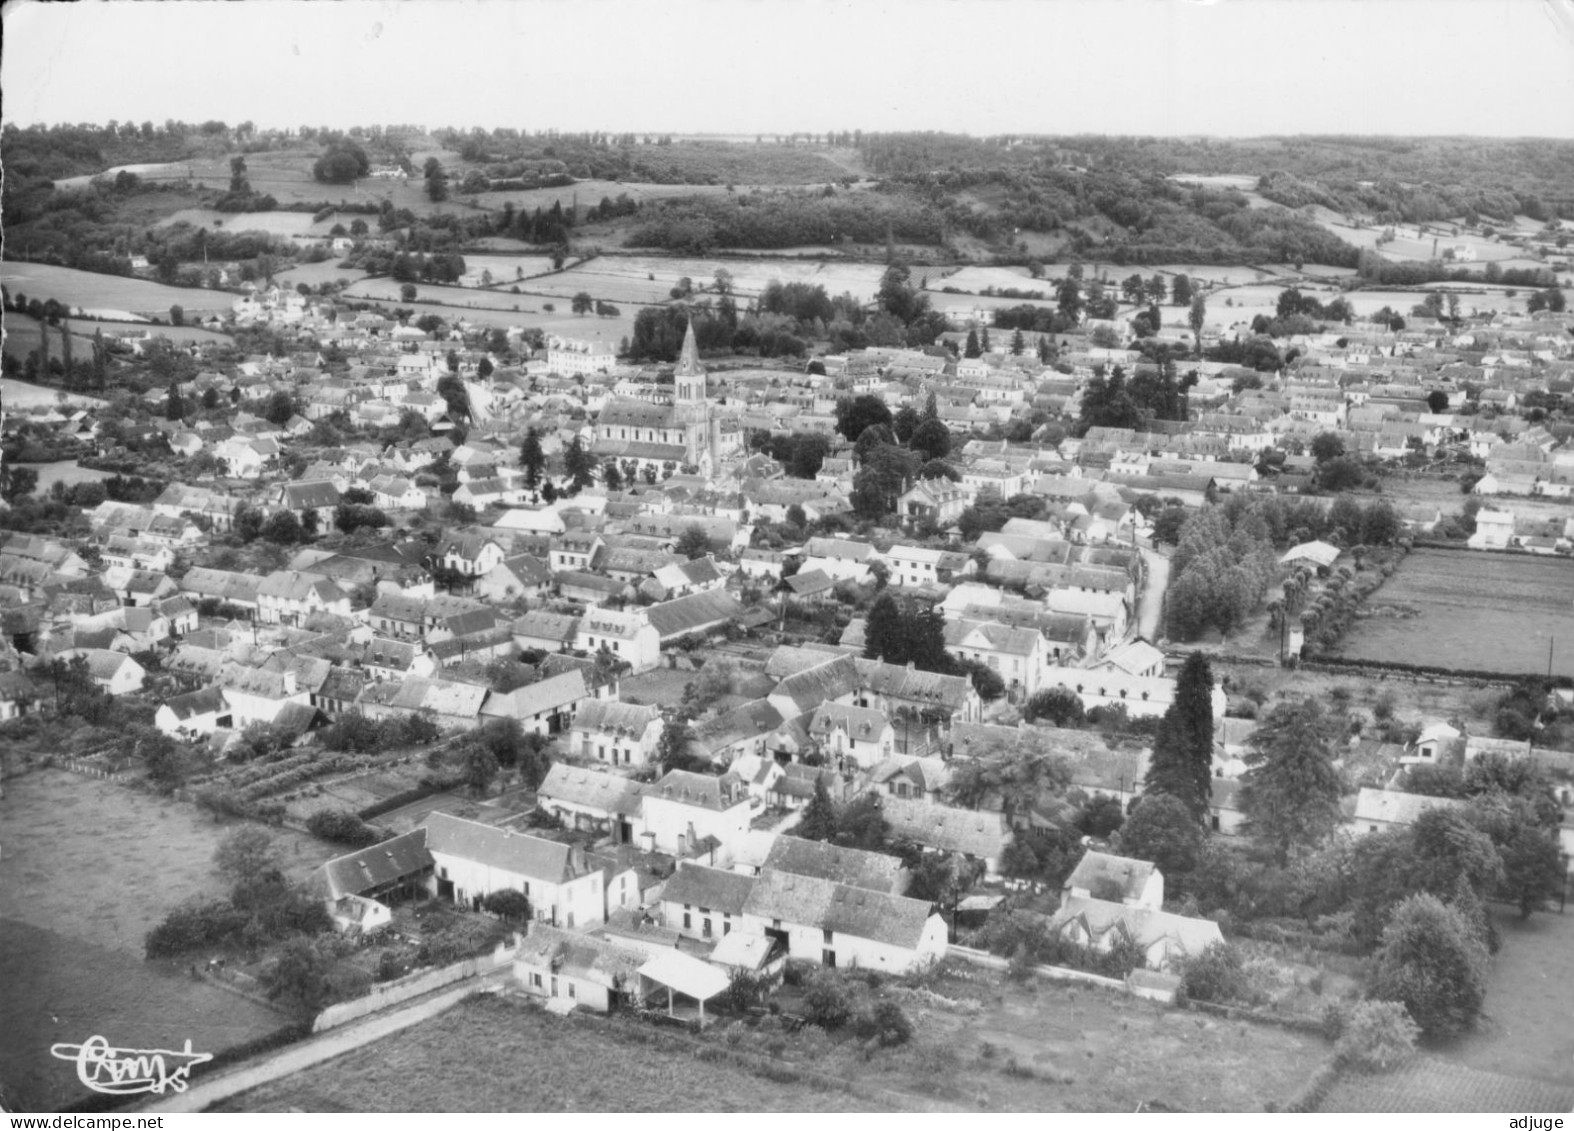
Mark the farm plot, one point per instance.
(93, 292)
(974, 279)
(588, 193)
(22, 336)
(521, 310)
(21, 395)
(609, 273)
(508, 268)
(274, 223)
(1471, 610)
(316, 274)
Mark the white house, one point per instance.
(682, 809)
(1382, 810)
(1119, 879)
(834, 924)
(628, 635)
(289, 597)
(705, 903)
(472, 860)
(1163, 938)
(573, 970)
(116, 672)
(614, 733)
(851, 737)
(195, 713)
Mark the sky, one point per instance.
(1229, 68)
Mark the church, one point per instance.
(687, 432)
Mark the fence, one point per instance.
(410, 986)
(87, 769)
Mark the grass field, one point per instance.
(58, 988)
(1526, 1030)
(611, 275)
(68, 472)
(983, 1045)
(93, 292)
(90, 867)
(491, 1055)
(495, 307)
(131, 857)
(274, 223)
(21, 395)
(1491, 612)
(315, 274)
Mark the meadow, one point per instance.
(1471, 610)
(985, 1044)
(274, 223)
(21, 395)
(90, 868)
(109, 295)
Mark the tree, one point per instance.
(1290, 791)
(1327, 446)
(174, 404)
(1340, 474)
(532, 458)
(582, 303)
(480, 768)
(1162, 829)
(16, 483)
(407, 292)
(611, 477)
(1432, 962)
(579, 464)
(283, 529)
(855, 414)
(971, 349)
(905, 423)
(693, 543)
(1437, 401)
(1196, 317)
(932, 438)
(299, 977)
(245, 856)
(452, 389)
(1180, 290)
(819, 816)
(1182, 762)
(177, 316)
(672, 751)
(883, 631)
(1060, 706)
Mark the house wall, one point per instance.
(577, 903)
(616, 749)
(701, 923)
(540, 981)
(669, 820)
(810, 944)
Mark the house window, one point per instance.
(827, 937)
(688, 924)
(705, 929)
(571, 992)
(828, 958)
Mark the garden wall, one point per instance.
(410, 986)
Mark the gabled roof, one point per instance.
(610, 716)
(713, 889)
(374, 866)
(696, 611)
(807, 901)
(1397, 808)
(873, 871)
(702, 790)
(1101, 870)
(517, 853)
(207, 701)
(591, 789)
(806, 690)
(973, 832)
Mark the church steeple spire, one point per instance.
(689, 358)
(689, 377)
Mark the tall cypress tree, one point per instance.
(1182, 763)
(884, 635)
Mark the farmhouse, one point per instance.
(1382, 810)
(836, 924)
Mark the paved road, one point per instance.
(1150, 606)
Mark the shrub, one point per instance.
(1334, 1019)
(885, 1023)
(192, 926)
(342, 827)
(1377, 1036)
(1217, 974)
(827, 1002)
(508, 903)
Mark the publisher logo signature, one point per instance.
(123, 1072)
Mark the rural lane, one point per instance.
(1150, 606)
(200, 1095)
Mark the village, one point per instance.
(925, 663)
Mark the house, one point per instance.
(259, 695)
(1162, 938)
(835, 924)
(747, 729)
(514, 578)
(1383, 810)
(359, 886)
(593, 801)
(1015, 654)
(701, 902)
(195, 713)
(472, 555)
(471, 860)
(317, 498)
(851, 736)
(683, 811)
(1432, 746)
(1494, 530)
(18, 695)
(614, 733)
(976, 834)
(699, 614)
(854, 867)
(115, 672)
(811, 586)
(937, 501)
(1320, 555)
(545, 707)
(573, 970)
(540, 631)
(1117, 879)
(290, 597)
(627, 635)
